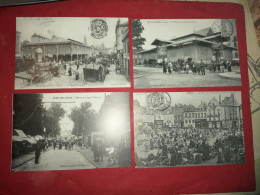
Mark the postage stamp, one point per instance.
(99, 28)
(224, 26)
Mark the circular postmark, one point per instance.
(224, 26)
(158, 101)
(99, 28)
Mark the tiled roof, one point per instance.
(204, 32)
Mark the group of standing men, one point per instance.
(196, 68)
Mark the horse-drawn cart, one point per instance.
(41, 73)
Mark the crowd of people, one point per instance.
(196, 68)
(44, 144)
(180, 147)
(71, 68)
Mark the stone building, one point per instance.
(220, 114)
(200, 45)
(215, 113)
(226, 113)
(232, 113)
(120, 31)
(126, 60)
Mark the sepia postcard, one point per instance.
(185, 53)
(188, 129)
(65, 131)
(71, 52)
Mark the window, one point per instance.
(186, 121)
(204, 115)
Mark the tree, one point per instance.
(137, 29)
(27, 113)
(52, 117)
(84, 119)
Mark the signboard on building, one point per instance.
(162, 52)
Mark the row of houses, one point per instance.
(226, 114)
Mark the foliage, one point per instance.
(137, 29)
(84, 119)
(27, 113)
(52, 117)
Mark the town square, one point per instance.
(188, 129)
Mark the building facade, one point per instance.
(126, 59)
(120, 31)
(201, 45)
(216, 114)
(42, 49)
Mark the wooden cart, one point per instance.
(94, 72)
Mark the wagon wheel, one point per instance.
(36, 79)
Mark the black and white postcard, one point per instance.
(188, 129)
(185, 53)
(71, 131)
(71, 52)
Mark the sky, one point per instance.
(193, 98)
(70, 100)
(65, 27)
(167, 29)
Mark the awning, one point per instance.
(31, 141)
(20, 133)
(16, 138)
(38, 137)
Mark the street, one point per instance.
(65, 81)
(145, 77)
(57, 160)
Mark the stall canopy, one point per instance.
(17, 138)
(38, 137)
(31, 141)
(19, 135)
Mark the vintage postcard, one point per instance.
(185, 53)
(71, 53)
(188, 129)
(64, 131)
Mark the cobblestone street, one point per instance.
(112, 79)
(145, 77)
(57, 160)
